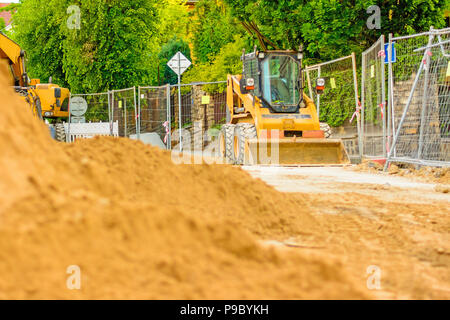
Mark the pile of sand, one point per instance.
(139, 226)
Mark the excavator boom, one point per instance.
(45, 100)
(11, 51)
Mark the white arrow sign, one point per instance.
(179, 63)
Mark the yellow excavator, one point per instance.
(270, 119)
(46, 101)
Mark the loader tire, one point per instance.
(242, 133)
(60, 132)
(226, 143)
(326, 129)
(38, 109)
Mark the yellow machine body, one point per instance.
(45, 100)
(52, 106)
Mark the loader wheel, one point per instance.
(242, 133)
(326, 129)
(226, 143)
(38, 109)
(60, 132)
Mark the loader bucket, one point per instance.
(290, 151)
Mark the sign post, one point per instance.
(179, 63)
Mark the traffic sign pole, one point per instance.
(179, 104)
(179, 63)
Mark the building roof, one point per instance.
(191, 3)
(6, 15)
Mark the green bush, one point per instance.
(228, 61)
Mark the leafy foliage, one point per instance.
(337, 104)
(38, 28)
(228, 61)
(110, 49)
(329, 28)
(212, 27)
(166, 53)
(117, 45)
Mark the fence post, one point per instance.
(309, 83)
(136, 117)
(383, 98)
(363, 100)
(358, 118)
(318, 95)
(425, 94)
(137, 113)
(125, 129)
(169, 117)
(180, 125)
(70, 120)
(391, 107)
(110, 111)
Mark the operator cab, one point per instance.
(280, 81)
(274, 77)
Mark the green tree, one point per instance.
(172, 27)
(111, 49)
(212, 27)
(38, 28)
(228, 61)
(167, 52)
(331, 28)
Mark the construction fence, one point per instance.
(200, 115)
(419, 98)
(152, 114)
(90, 115)
(394, 106)
(338, 105)
(124, 111)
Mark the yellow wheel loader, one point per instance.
(46, 101)
(271, 120)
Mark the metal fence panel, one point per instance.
(203, 112)
(154, 114)
(98, 110)
(339, 104)
(420, 99)
(373, 101)
(124, 111)
(98, 107)
(402, 73)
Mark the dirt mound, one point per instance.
(139, 226)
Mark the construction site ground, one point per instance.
(138, 226)
(399, 224)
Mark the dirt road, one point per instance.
(375, 222)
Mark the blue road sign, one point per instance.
(394, 55)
